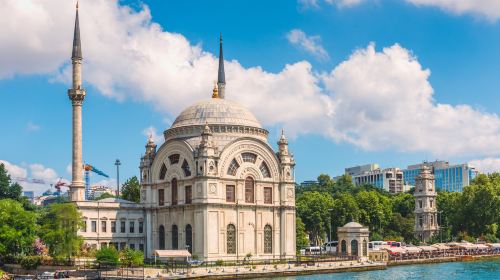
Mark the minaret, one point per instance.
(425, 206)
(221, 77)
(77, 95)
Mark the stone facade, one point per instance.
(425, 206)
(113, 222)
(353, 240)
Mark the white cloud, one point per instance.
(486, 165)
(375, 99)
(338, 3)
(384, 100)
(33, 171)
(151, 132)
(32, 127)
(310, 44)
(488, 8)
(14, 170)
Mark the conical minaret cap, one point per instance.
(77, 44)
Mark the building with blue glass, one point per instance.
(448, 177)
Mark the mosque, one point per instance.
(215, 187)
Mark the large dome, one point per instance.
(216, 111)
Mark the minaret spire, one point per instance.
(77, 94)
(77, 45)
(221, 77)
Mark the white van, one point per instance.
(313, 250)
(331, 246)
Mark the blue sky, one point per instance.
(412, 54)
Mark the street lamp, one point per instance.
(117, 163)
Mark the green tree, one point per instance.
(17, 228)
(404, 204)
(375, 210)
(325, 182)
(301, 235)
(343, 184)
(59, 226)
(130, 257)
(345, 209)
(400, 226)
(312, 208)
(107, 256)
(131, 190)
(8, 190)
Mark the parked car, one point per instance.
(313, 250)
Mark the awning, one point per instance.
(440, 246)
(413, 250)
(172, 253)
(427, 248)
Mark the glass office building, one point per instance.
(448, 177)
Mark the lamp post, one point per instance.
(117, 163)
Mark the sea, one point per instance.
(487, 269)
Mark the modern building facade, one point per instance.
(426, 224)
(389, 179)
(452, 178)
(216, 187)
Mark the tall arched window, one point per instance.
(249, 190)
(186, 168)
(175, 237)
(161, 238)
(189, 238)
(233, 167)
(268, 239)
(343, 247)
(231, 239)
(265, 170)
(174, 191)
(354, 247)
(163, 171)
(365, 248)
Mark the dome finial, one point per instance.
(215, 91)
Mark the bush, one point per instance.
(107, 256)
(130, 257)
(219, 262)
(30, 262)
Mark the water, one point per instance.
(477, 270)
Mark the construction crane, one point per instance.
(57, 185)
(88, 168)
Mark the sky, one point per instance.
(351, 82)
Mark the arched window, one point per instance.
(174, 191)
(354, 247)
(365, 248)
(268, 239)
(161, 238)
(249, 190)
(186, 169)
(343, 247)
(233, 167)
(231, 239)
(189, 238)
(265, 170)
(249, 157)
(163, 171)
(174, 158)
(175, 237)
